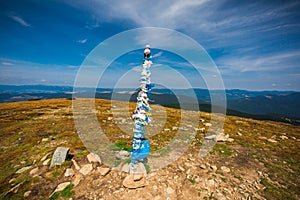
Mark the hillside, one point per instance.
(272, 105)
(260, 161)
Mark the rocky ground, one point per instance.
(188, 178)
(251, 160)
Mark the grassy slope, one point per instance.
(24, 124)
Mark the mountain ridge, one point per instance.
(274, 105)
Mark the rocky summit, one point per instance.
(250, 159)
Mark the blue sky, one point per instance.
(255, 44)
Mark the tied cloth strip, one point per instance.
(142, 117)
(142, 114)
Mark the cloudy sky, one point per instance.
(254, 44)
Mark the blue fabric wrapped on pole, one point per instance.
(141, 152)
(142, 113)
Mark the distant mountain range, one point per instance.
(274, 105)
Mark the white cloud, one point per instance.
(82, 41)
(166, 39)
(7, 63)
(167, 13)
(157, 54)
(20, 20)
(270, 63)
(218, 24)
(295, 75)
(24, 72)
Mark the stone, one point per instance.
(77, 179)
(283, 137)
(129, 182)
(61, 187)
(46, 162)
(174, 128)
(202, 129)
(207, 124)
(239, 134)
(27, 193)
(170, 190)
(125, 168)
(44, 158)
(86, 169)
(59, 156)
(139, 171)
(222, 137)
(259, 173)
(92, 157)
(210, 137)
(12, 180)
(196, 129)
(225, 169)
(192, 159)
(14, 189)
(214, 168)
(69, 172)
(181, 168)
(75, 164)
(198, 179)
(230, 140)
(203, 166)
(122, 155)
(157, 197)
(23, 169)
(109, 118)
(45, 139)
(227, 191)
(211, 182)
(272, 140)
(34, 172)
(262, 138)
(16, 166)
(103, 170)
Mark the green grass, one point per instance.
(82, 153)
(147, 167)
(57, 170)
(222, 149)
(192, 181)
(275, 192)
(66, 193)
(123, 145)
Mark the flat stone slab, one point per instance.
(86, 169)
(139, 171)
(129, 182)
(122, 155)
(23, 169)
(103, 170)
(61, 187)
(92, 157)
(59, 156)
